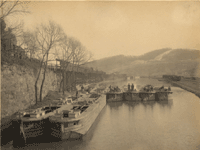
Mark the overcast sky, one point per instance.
(129, 28)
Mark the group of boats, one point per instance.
(63, 119)
(146, 93)
(68, 118)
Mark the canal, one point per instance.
(169, 125)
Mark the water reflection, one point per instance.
(114, 105)
(117, 105)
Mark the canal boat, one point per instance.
(75, 122)
(162, 93)
(131, 96)
(114, 96)
(139, 96)
(149, 92)
(32, 124)
(146, 93)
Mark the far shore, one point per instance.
(192, 86)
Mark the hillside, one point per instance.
(158, 62)
(110, 63)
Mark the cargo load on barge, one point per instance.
(114, 94)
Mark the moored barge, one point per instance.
(75, 122)
(147, 93)
(33, 125)
(114, 96)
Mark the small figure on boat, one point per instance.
(77, 94)
(169, 88)
(151, 88)
(128, 87)
(82, 88)
(132, 87)
(110, 87)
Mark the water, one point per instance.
(172, 125)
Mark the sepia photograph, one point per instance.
(100, 75)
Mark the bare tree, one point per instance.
(45, 38)
(13, 7)
(64, 56)
(80, 56)
(72, 54)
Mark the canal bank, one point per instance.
(192, 86)
(186, 87)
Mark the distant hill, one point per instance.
(184, 62)
(110, 63)
(153, 54)
(182, 54)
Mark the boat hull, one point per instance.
(138, 96)
(162, 96)
(71, 135)
(132, 96)
(147, 96)
(113, 97)
(85, 122)
(30, 132)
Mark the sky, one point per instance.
(128, 28)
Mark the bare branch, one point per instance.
(12, 7)
(2, 3)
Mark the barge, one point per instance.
(75, 122)
(33, 125)
(162, 93)
(147, 93)
(114, 96)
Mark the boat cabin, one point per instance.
(36, 113)
(73, 113)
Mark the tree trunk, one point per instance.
(36, 98)
(44, 75)
(36, 92)
(63, 82)
(60, 85)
